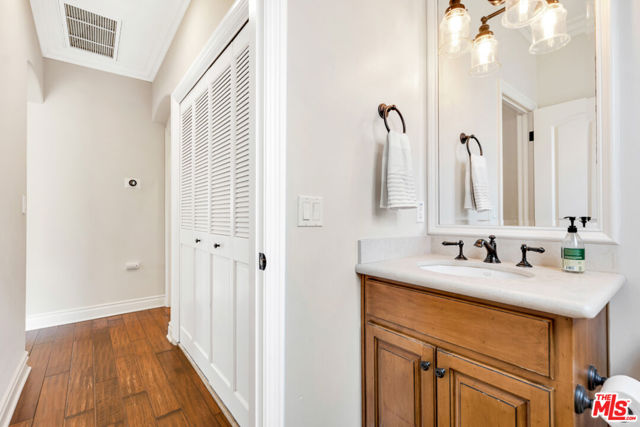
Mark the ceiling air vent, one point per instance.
(91, 32)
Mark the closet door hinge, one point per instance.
(531, 136)
(262, 261)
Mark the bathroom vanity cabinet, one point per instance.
(431, 358)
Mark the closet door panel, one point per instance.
(221, 145)
(217, 173)
(187, 262)
(202, 304)
(240, 250)
(186, 169)
(201, 162)
(243, 334)
(222, 322)
(242, 154)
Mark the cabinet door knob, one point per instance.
(425, 366)
(581, 400)
(594, 380)
(198, 240)
(440, 372)
(216, 245)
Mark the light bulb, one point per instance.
(549, 33)
(454, 32)
(520, 13)
(484, 55)
(455, 23)
(484, 51)
(548, 23)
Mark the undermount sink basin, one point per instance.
(470, 271)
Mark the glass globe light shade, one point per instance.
(520, 13)
(549, 33)
(454, 32)
(484, 55)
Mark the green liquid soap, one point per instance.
(572, 252)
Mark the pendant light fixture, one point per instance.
(520, 13)
(484, 51)
(549, 33)
(454, 30)
(548, 20)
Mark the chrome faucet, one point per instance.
(491, 247)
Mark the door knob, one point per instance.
(216, 245)
(425, 365)
(198, 240)
(440, 372)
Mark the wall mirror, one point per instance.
(519, 96)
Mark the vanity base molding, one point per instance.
(431, 358)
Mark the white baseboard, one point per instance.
(172, 339)
(62, 317)
(11, 396)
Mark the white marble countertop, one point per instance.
(546, 289)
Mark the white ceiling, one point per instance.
(145, 31)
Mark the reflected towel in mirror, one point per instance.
(476, 184)
(398, 190)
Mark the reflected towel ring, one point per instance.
(464, 139)
(383, 111)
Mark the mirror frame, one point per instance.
(607, 148)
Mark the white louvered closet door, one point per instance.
(216, 218)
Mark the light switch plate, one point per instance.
(310, 211)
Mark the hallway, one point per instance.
(119, 370)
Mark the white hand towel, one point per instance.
(468, 186)
(480, 183)
(398, 190)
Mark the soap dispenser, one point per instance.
(573, 253)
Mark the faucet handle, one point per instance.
(524, 248)
(492, 238)
(538, 250)
(460, 245)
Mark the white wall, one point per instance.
(92, 131)
(200, 20)
(345, 57)
(624, 313)
(568, 73)
(18, 44)
(470, 105)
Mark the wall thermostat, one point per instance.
(132, 183)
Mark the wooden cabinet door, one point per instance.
(475, 395)
(400, 383)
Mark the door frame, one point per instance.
(524, 106)
(267, 22)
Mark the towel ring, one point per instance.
(383, 111)
(464, 139)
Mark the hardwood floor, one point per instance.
(114, 371)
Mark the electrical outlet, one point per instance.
(420, 211)
(132, 265)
